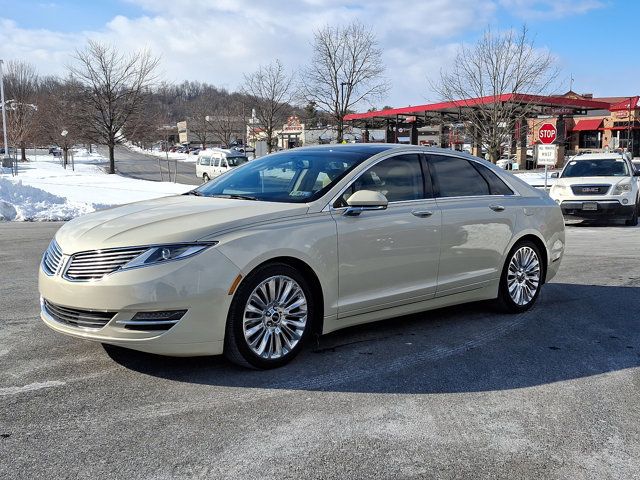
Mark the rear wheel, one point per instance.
(270, 317)
(521, 278)
(633, 221)
(205, 178)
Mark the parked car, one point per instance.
(598, 185)
(307, 240)
(216, 161)
(508, 164)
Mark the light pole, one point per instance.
(6, 160)
(342, 108)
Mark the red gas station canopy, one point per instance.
(457, 105)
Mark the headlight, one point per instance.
(559, 189)
(167, 253)
(622, 188)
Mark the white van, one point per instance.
(216, 161)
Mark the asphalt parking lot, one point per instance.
(456, 393)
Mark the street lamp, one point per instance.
(343, 108)
(6, 160)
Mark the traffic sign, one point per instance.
(547, 155)
(547, 133)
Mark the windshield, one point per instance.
(605, 167)
(297, 176)
(236, 161)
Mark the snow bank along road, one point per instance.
(43, 190)
(461, 392)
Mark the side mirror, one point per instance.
(364, 200)
(554, 175)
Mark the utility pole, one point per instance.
(6, 160)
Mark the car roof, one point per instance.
(374, 148)
(599, 156)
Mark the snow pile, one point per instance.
(45, 191)
(535, 179)
(21, 202)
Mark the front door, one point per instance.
(388, 257)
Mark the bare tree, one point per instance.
(227, 119)
(198, 111)
(346, 68)
(270, 91)
(497, 64)
(21, 88)
(58, 104)
(115, 86)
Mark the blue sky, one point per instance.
(217, 40)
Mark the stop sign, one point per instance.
(547, 133)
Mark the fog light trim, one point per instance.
(159, 320)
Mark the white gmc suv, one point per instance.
(598, 185)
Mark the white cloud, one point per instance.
(552, 9)
(217, 40)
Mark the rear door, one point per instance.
(478, 222)
(388, 257)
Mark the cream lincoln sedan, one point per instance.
(301, 242)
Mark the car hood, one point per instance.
(568, 181)
(183, 218)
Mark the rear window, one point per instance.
(597, 167)
(496, 185)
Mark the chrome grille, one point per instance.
(590, 189)
(76, 317)
(52, 258)
(96, 264)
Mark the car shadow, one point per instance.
(597, 223)
(574, 331)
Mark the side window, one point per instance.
(215, 161)
(206, 161)
(398, 178)
(224, 163)
(496, 185)
(456, 177)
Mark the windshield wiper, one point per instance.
(234, 195)
(193, 192)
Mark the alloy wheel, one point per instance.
(275, 317)
(523, 275)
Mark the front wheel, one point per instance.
(270, 317)
(205, 178)
(521, 278)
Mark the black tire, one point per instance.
(205, 178)
(505, 302)
(633, 221)
(236, 347)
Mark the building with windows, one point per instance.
(614, 128)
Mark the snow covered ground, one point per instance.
(182, 157)
(535, 179)
(44, 191)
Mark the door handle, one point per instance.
(422, 213)
(496, 208)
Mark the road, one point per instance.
(456, 393)
(147, 167)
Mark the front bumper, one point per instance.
(605, 209)
(199, 285)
